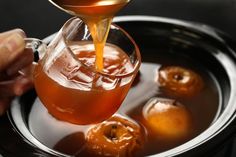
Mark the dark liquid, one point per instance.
(69, 138)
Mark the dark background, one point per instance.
(39, 18)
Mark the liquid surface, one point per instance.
(97, 14)
(203, 109)
(75, 91)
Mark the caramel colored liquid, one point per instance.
(79, 95)
(97, 14)
(71, 140)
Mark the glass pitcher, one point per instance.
(70, 87)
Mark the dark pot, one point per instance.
(218, 56)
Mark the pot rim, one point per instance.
(229, 113)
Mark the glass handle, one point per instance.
(38, 47)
